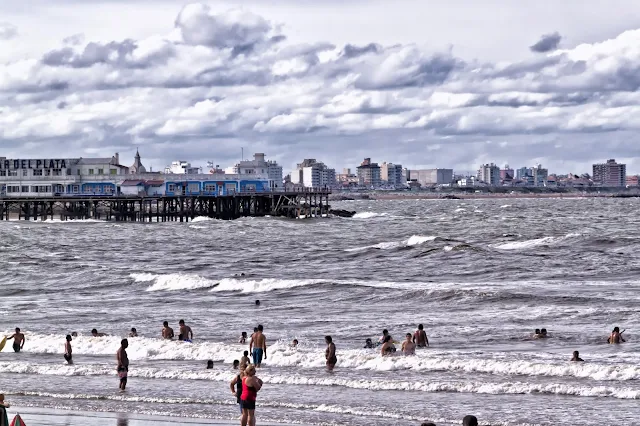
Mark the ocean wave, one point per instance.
(368, 215)
(198, 219)
(544, 241)
(431, 386)
(167, 282)
(414, 240)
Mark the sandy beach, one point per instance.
(48, 417)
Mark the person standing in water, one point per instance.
(408, 347)
(420, 337)
(18, 340)
(387, 347)
(576, 356)
(616, 337)
(167, 332)
(123, 363)
(67, 350)
(258, 346)
(236, 388)
(330, 353)
(185, 331)
(250, 387)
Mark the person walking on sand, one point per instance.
(258, 346)
(123, 363)
(330, 353)
(67, 350)
(18, 340)
(250, 387)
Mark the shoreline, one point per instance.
(469, 196)
(36, 416)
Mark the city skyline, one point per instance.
(198, 82)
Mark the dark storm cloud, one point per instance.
(547, 43)
(351, 51)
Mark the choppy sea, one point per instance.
(481, 275)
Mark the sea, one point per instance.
(480, 275)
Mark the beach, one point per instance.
(480, 275)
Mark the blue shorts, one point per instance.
(257, 355)
(240, 404)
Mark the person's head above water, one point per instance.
(244, 334)
(537, 331)
(94, 331)
(387, 339)
(124, 343)
(255, 329)
(260, 328)
(17, 330)
(576, 354)
(181, 322)
(166, 323)
(543, 331)
(385, 332)
(257, 303)
(420, 327)
(209, 365)
(469, 421)
(246, 353)
(328, 339)
(68, 337)
(236, 364)
(616, 329)
(133, 330)
(295, 342)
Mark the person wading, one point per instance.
(250, 387)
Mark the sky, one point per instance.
(422, 83)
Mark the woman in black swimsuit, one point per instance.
(330, 353)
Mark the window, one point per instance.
(113, 171)
(37, 172)
(100, 171)
(25, 172)
(57, 172)
(13, 189)
(78, 172)
(69, 172)
(25, 188)
(47, 172)
(34, 189)
(108, 189)
(194, 187)
(87, 188)
(210, 187)
(90, 171)
(3, 172)
(13, 173)
(172, 187)
(76, 188)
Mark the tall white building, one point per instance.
(181, 167)
(259, 166)
(426, 177)
(489, 174)
(392, 174)
(313, 174)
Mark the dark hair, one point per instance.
(18, 329)
(428, 424)
(124, 342)
(235, 362)
(408, 334)
(544, 330)
(255, 329)
(385, 331)
(94, 331)
(420, 326)
(244, 334)
(295, 340)
(134, 329)
(387, 339)
(469, 421)
(181, 322)
(257, 302)
(615, 329)
(328, 339)
(246, 353)
(260, 327)
(166, 323)
(68, 337)
(576, 353)
(537, 331)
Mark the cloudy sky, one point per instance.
(424, 83)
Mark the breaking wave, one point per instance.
(544, 241)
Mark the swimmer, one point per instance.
(74, 334)
(243, 338)
(408, 347)
(330, 353)
(236, 364)
(616, 336)
(67, 350)
(209, 365)
(420, 337)
(536, 333)
(294, 344)
(387, 347)
(368, 344)
(167, 332)
(134, 333)
(18, 340)
(543, 333)
(185, 331)
(95, 333)
(385, 334)
(470, 421)
(576, 356)
(244, 361)
(257, 303)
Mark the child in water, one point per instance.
(244, 361)
(243, 338)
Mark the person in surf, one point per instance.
(616, 337)
(576, 356)
(420, 337)
(388, 347)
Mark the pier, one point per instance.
(305, 203)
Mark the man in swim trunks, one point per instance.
(185, 331)
(258, 346)
(18, 340)
(420, 337)
(167, 332)
(330, 353)
(615, 338)
(67, 350)
(408, 347)
(123, 363)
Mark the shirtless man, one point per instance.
(185, 331)
(576, 356)
(408, 347)
(123, 363)
(67, 350)
(167, 332)
(258, 346)
(615, 338)
(385, 334)
(18, 342)
(420, 337)
(95, 333)
(330, 353)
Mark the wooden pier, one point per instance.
(293, 204)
